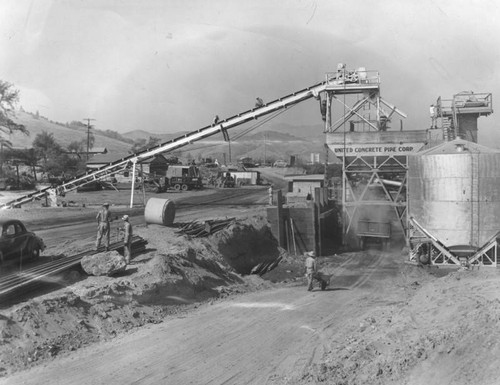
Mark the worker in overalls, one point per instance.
(103, 218)
(312, 272)
(127, 238)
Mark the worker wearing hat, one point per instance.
(312, 271)
(127, 238)
(103, 218)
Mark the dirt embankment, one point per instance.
(438, 330)
(174, 274)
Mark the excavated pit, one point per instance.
(243, 247)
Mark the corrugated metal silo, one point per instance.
(454, 192)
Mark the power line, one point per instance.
(88, 135)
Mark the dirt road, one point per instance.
(267, 337)
(189, 206)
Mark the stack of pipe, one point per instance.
(197, 229)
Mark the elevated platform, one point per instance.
(352, 82)
(466, 103)
(352, 88)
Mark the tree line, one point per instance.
(46, 156)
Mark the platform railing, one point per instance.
(359, 76)
(467, 100)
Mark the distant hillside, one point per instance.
(63, 135)
(141, 134)
(312, 133)
(280, 131)
(262, 145)
(270, 136)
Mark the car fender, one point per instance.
(40, 242)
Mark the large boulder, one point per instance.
(107, 263)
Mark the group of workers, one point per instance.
(104, 220)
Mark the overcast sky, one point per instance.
(168, 65)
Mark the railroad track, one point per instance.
(18, 280)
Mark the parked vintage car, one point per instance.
(17, 242)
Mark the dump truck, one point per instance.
(376, 231)
(184, 177)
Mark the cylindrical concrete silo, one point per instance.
(454, 192)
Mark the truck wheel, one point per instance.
(177, 187)
(185, 187)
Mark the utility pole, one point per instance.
(265, 155)
(88, 135)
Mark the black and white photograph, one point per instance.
(265, 192)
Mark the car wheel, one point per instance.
(185, 187)
(33, 251)
(177, 187)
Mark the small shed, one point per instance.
(301, 187)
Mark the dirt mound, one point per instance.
(443, 333)
(173, 275)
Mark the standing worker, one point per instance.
(127, 239)
(270, 192)
(103, 225)
(433, 113)
(312, 272)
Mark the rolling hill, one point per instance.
(62, 134)
(279, 142)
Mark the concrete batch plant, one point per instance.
(434, 189)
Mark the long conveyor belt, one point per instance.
(202, 133)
